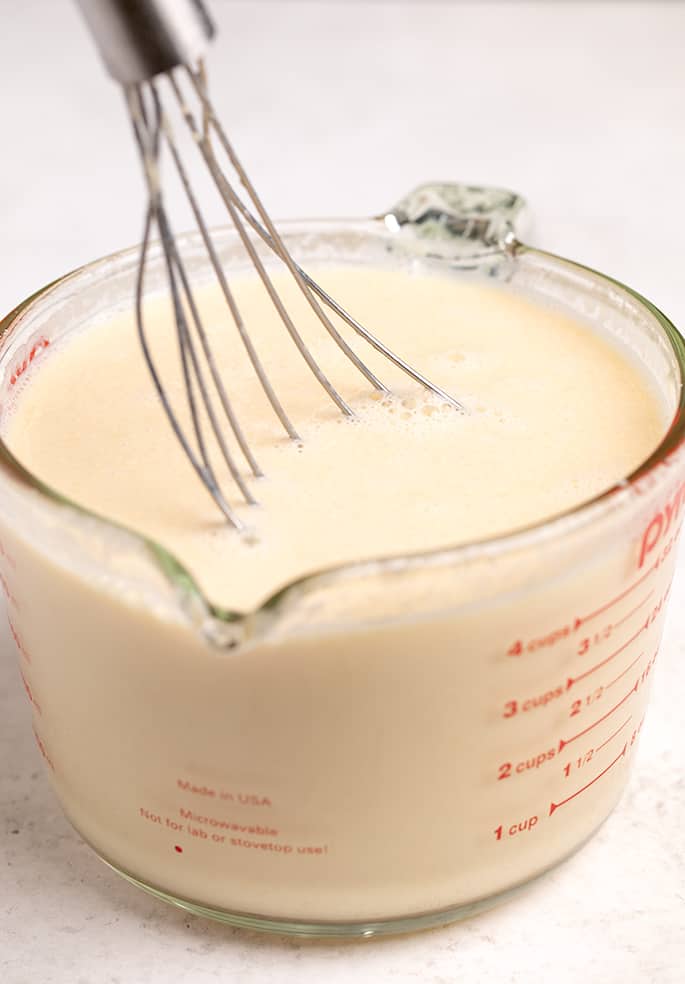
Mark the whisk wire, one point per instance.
(202, 334)
(269, 234)
(248, 344)
(147, 138)
(151, 128)
(275, 241)
(140, 43)
(229, 196)
(190, 348)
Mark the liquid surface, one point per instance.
(555, 416)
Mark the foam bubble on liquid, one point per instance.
(416, 409)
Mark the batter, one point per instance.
(555, 415)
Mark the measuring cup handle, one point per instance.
(461, 220)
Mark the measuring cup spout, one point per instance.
(458, 221)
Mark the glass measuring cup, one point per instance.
(381, 746)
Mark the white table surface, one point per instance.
(339, 108)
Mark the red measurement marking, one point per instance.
(8, 557)
(513, 707)
(618, 731)
(633, 610)
(637, 731)
(539, 642)
(17, 639)
(43, 750)
(617, 652)
(567, 741)
(29, 693)
(22, 366)
(662, 523)
(648, 668)
(627, 670)
(178, 849)
(620, 597)
(8, 591)
(520, 647)
(555, 806)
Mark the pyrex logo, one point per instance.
(664, 522)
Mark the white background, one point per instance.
(338, 109)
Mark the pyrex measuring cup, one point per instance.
(380, 746)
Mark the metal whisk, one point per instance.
(146, 45)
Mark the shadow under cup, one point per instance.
(381, 746)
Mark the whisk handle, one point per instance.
(141, 38)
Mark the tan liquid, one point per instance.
(364, 769)
(555, 416)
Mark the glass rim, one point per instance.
(524, 536)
